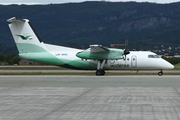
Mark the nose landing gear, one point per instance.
(160, 73)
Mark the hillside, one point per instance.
(80, 24)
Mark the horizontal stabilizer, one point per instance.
(14, 19)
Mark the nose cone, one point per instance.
(167, 65)
(170, 66)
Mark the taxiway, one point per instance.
(89, 97)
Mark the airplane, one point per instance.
(97, 57)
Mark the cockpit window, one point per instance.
(153, 56)
(156, 56)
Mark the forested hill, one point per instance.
(82, 24)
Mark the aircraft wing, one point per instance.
(98, 52)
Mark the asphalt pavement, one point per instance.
(49, 97)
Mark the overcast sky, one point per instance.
(6, 2)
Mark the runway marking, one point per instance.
(68, 102)
(176, 90)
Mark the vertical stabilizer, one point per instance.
(25, 37)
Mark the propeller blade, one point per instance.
(126, 52)
(126, 44)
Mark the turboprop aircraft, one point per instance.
(97, 57)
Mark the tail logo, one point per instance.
(24, 37)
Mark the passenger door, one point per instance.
(134, 61)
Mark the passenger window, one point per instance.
(127, 59)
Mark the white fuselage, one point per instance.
(136, 60)
(140, 60)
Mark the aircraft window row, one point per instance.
(153, 56)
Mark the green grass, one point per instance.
(87, 73)
(30, 68)
(177, 67)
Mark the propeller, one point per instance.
(126, 52)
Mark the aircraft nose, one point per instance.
(169, 65)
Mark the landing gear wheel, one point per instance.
(160, 73)
(100, 72)
(103, 72)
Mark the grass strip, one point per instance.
(44, 68)
(90, 73)
(31, 68)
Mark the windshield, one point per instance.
(153, 56)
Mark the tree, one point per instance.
(2, 57)
(173, 60)
(16, 59)
(12, 59)
(8, 59)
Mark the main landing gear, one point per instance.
(100, 66)
(160, 73)
(100, 72)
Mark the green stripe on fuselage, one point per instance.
(36, 53)
(30, 52)
(29, 48)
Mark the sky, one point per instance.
(31, 2)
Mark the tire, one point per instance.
(103, 72)
(98, 72)
(160, 73)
